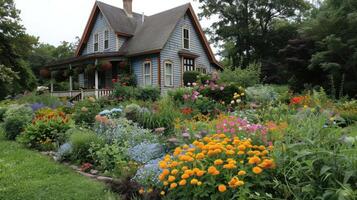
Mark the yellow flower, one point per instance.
(174, 171)
(185, 176)
(218, 162)
(162, 193)
(199, 183)
(141, 191)
(166, 183)
(242, 173)
(222, 188)
(257, 170)
(171, 178)
(184, 168)
(200, 156)
(173, 185)
(182, 182)
(163, 164)
(150, 190)
(254, 160)
(194, 181)
(241, 147)
(200, 173)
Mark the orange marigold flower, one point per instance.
(242, 173)
(174, 171)
(185, 176)
(194, 181)
(173, 185)
(171, 178)
(218, 162)
(257, 170)
(200, 173)
(254, 160)
(182, 182)
(222, 188)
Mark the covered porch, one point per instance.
(84, 76)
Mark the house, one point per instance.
(158, 49)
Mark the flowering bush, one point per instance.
(47, 130)
(214, 167)
(85, 111)
(145, 152)
(236, 126)
(113, 113)
(148, 174)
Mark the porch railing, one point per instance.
(84, 93)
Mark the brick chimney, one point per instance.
(128, 7)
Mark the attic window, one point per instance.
(106, 39)
(186, 38)
(96, 42)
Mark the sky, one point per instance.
(54, 21)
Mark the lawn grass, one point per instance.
(25, 174)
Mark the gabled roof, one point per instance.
(155, 31)
(149, 37)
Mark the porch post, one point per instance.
(70, 81)
(96, 81)
(51, 87)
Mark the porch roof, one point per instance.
(84, 58)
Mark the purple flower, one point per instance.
(37, 106)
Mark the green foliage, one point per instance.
(248, 25)
(177, 94)
(148, 93)
(81, 141)
(262, 94)
(85, 111)
(45, 99)
(163, 115)
(190, 77)
(314, 161)
(247, 77)
(2, 113)
(47, 132)
(15, 120)
(132, 111)
(42, 178)
(107, 156)
(125, 92)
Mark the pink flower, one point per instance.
(222, 88)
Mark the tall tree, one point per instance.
(334, 30)
(248, 24)
(15, 44)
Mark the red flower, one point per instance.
(297, 100)
(186, 111)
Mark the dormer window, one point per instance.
(96, 42)
(106, 39)
(186, 38)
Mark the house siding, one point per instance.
(137, 66)
(99, 27)
(174, 44)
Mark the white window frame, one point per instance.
(106, 30)
(150, 73)
(183, 37)
(166, 73)
(94, 42)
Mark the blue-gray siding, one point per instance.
(99, 27)
(174, 44)
(137, 66)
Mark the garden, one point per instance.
(222, 136)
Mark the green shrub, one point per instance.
(207, 106)
(247, 77)
(163, 116)
(132, 111)
(177, 94)
(107, 156)
(2, 113)
(148, 93)
(81, 141)
(225, 94)
(262, 94)
(44, 99)
(125, 92)
(85, 112)
(15, 120)
(47, 132)
(190, 77)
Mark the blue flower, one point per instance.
(105, 112)
(37, 106)
(114, 110)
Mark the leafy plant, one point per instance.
(15, 120)
(125, 92)
(148, 93)
(247, 77)
(81, 141)
(85, 112)
(47, 130)
(190, 77)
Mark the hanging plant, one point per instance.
(58, 75)
(45, 73)
(107, 65)
(90, 69)
(78, 70)
(123, 64)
